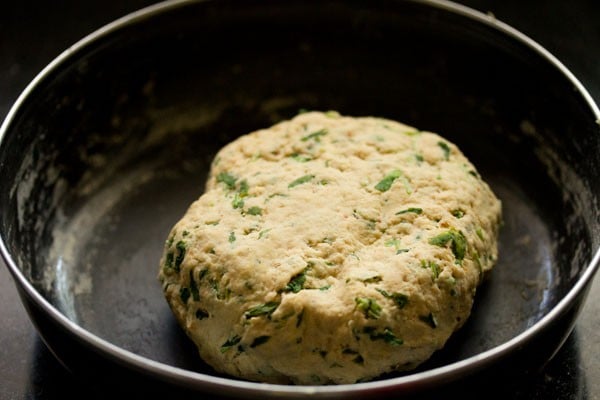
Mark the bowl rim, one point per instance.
(216, 384)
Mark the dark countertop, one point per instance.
(32, 33)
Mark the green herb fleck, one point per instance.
(296, 283)
(458, 213)
(429, 320)
(373, 279)
(214, 284)
(184, 294)
(254, 210)
(323, 288)
(301, 180)
(238, 202)
(276, 195)
(315, 135)
(455, 238)
(435, 269)
(392, 242)
(263, 233)
(202, 274)
(386, 183)
(238, 199)
(169, 260)
(369, 306)
(231, 342)
(479, 233)
(414, 210)
(243, 190)
(396, 243)
(262, 309)
(401, 300)
(181, 249)
(406, 183)
(387, 336)
(231, 237)
(259, 340)
(227, 179)
(446, 149)
(300, 158)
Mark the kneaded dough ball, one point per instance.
(330, 249)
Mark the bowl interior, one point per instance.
(113, 144)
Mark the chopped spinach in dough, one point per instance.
(330, 249)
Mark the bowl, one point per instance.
(112, 141)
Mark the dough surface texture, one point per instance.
(330, 249)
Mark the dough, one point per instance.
(330, 249)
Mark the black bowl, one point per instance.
(109, 144)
